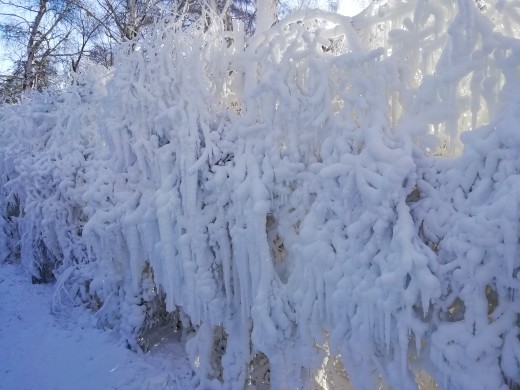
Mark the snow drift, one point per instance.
(332, 187)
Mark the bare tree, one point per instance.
(86, 29)
(123, 19)
(47, 38)
(102, 53)
(40, 27)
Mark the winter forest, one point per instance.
(325, 200)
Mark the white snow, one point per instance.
(42, 351)
(331, 191)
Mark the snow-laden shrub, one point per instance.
(46, 142)
(469, 215)
(294, 199)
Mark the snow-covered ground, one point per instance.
(40, 351)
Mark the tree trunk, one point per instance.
(32, 48)
(266, 14)
(131, 19)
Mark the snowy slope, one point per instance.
(40, 352)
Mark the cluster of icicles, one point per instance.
(302, 202)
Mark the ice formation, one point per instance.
(330, 187)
